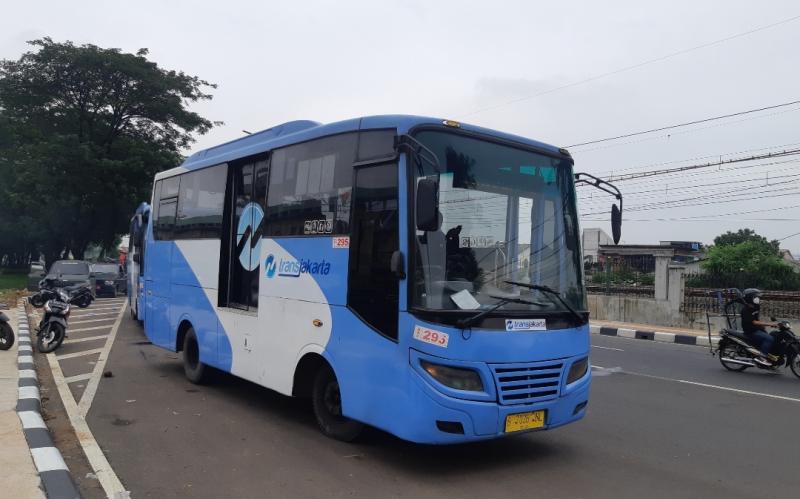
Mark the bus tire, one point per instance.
(196, 372)
(327, 402)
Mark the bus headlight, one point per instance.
(454, 377)
(577, 370)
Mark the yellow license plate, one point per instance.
(524, 421)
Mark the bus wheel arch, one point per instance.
(180, 336)
(305, 373)
(326, 400)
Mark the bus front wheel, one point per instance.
(196, 372)
(327, 402)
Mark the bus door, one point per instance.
(373, 289)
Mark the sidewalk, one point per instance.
(20, 478)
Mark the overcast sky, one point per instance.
(327, 61)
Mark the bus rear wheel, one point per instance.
(196, 372)
(327, 402)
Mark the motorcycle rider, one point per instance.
(753, 327)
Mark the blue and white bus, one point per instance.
(418, 275)
(135, 260)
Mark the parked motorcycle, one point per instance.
(79, 294)
(52, 328)
(737, 354)
(6, 333)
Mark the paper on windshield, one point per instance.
(464, 300)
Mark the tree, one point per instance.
(745, 259)
(83, 130)
(746, 235)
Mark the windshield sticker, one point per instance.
(526, 324)
(431, 336)
(341, 242)
(464, 300)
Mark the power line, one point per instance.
(790, 235)
(631, 176)
(634, 66)
(696, 158)
(688, 123)
(793, 193)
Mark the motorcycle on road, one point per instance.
(52, 329)
(736, 353)
(79, 294)
(6, 333)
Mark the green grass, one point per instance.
(13, 280)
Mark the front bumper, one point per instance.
(482, 420)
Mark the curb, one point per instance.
(661, 337)
(52, 469)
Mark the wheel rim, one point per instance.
(730, 351)
(332, 399)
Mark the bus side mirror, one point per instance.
(616, 223)
(427, 208)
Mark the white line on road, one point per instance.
(92, 320)
(93, 328)
(78, 377)
(102, 469)
(91, 387)
(608, 348)
(80, 354)
(88, 338)
(101, 314)
(697, 383)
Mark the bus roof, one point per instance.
(302, 130)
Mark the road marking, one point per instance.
(93, 328)
(114, 312)
(102, 469)
(91, 320)
(91, 387)
(99, 307)
(608, 348)
(78, 377)
(88, 338)
(697, 383)
(80, 354)
(27, 373)
(24, 358)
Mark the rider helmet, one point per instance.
(752, 296)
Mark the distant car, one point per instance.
(109, 279)
(70, 272)
(35, 275)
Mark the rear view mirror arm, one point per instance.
(608, 187)
(599, 183)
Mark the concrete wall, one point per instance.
(646, 311)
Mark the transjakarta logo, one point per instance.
(526, 324)
(249, 222)
(293, 268)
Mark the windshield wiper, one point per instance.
(550, 293)
(467, 322)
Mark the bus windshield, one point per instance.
(507, 214)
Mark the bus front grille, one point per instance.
(528, 382)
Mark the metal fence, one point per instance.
(701, 300)
(622, 275)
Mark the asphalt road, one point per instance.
(649, 432)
